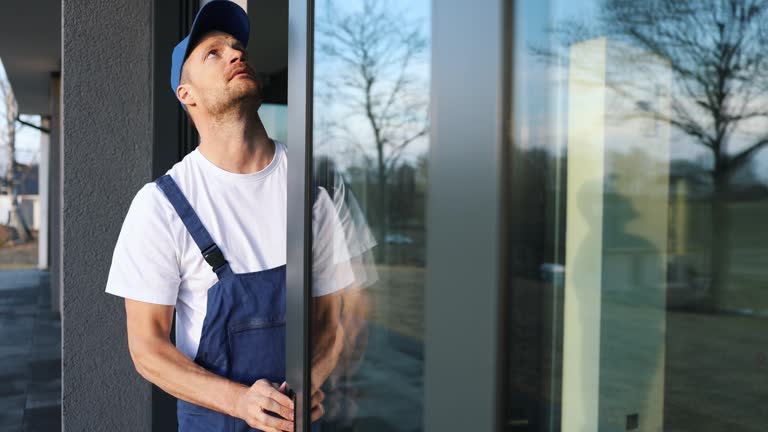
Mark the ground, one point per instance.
(18, 257)
(30, 354)
(30, 345)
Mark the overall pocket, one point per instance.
(257, 350)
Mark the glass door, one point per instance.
(637, 298)
(370, 139)
(394, 239)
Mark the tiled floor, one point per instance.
(30, 354)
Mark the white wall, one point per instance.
(29, 206)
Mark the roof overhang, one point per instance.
(30, 49)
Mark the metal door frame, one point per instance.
(299, 242)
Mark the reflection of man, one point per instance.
(338, 381)
(626, 339)
(209, 238)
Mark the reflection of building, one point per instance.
(690, 238)
(616, 235)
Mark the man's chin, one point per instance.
(246, 87)
(250, 100)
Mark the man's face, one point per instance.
(218, 76)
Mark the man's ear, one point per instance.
(185, 95)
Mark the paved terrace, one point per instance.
(30, 354)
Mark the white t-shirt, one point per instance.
(157, 261)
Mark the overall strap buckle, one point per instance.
(214, 257)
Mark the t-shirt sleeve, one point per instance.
(331, 267)
(145, 265)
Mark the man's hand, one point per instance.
(254, 402)
(317, 407)
(317, 398)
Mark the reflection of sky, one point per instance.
(415, 9)
(541, 95)
(337, 109)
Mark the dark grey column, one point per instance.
(107, 156)
(465, 220)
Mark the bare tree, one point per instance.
(367, 64)
(716, 52)
(16, 219)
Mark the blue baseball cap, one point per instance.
(222, 15)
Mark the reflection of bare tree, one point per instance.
(373, 55)
(715, 49)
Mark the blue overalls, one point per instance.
(243, 335)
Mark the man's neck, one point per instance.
(237, 143)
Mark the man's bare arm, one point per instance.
(327, 336)
(160, 362)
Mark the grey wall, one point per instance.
(107, 155)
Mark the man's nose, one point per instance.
(236, 55)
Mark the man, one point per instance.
(209, 239)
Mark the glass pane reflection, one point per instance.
(370, 142)
(638, 295)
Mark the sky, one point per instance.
(27, 138)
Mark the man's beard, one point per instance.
(238, 99)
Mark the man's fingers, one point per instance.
(280, 398)
(267, 421)
(272, 405)
(272, 393)
(316, 413)
(259, 419)
(267, 428)
(317, 397)
(317, 410)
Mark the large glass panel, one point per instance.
(639, 285)
(370, 140)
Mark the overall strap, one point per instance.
(211, 252)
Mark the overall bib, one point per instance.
(243, 335)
